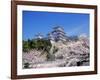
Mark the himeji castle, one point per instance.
(58, 34)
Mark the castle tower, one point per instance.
(59, 34)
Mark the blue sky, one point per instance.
(43, 22)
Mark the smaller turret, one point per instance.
(39, 36)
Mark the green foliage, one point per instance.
(36, 44)
(25, 46)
